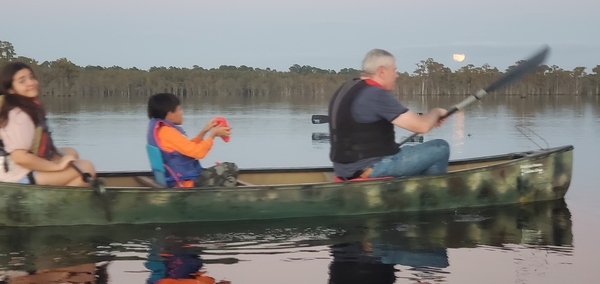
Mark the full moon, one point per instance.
(458, 57)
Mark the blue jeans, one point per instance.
(429, 158)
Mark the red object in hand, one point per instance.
(222, 122)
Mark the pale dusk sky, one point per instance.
(329, 34)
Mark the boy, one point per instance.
(180, 153)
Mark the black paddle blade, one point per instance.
(319, 119)
(520, 70)
(98, 187)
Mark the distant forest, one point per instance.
(63, 78)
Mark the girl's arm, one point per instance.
(30, 161)
(17, 137)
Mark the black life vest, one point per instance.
(352, 141)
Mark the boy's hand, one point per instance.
(221, 121)
(211, 123)
(220, 131)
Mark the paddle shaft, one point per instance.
(320, 118)
(87, 177)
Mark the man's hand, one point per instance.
(441, 113)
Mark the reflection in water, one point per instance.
(458, 133)
(320, 137)
(372, 249)
(82, 273)
(176, 263)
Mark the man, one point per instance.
(363, 113)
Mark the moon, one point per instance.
(458, 57)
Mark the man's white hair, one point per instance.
(375, 59)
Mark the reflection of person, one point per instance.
(351, 265)
(181, 267)
(180, 154)
(363, 113)
(393, 254)
(83, 273)
(27, 152)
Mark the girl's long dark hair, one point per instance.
(28, 105)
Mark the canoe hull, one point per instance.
(536, 176)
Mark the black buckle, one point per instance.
(30, 177)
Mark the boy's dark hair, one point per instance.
(161, 104)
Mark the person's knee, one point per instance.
(87, 167)
(444, 144)
(442, 147)
(230, 167)
(70, 151)
(234, 166)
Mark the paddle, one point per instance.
(319, 118)
(511, 76)
(95, 184)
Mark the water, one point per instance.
(544, 243)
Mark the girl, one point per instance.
(27, 154)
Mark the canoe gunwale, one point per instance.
(503, 161)
(514, 157)
(509, 157)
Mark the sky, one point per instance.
(329, 34)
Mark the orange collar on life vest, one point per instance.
(370, 82)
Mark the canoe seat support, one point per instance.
(338, 179)
(244, 183)
(148, 182)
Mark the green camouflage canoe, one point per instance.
(130, 197)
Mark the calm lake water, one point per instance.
(554, 242)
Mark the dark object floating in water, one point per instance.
(320, 136)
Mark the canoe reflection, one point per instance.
(420, 242)
(362, 249)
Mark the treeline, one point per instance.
(62, 77)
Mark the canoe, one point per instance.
(131, 198)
